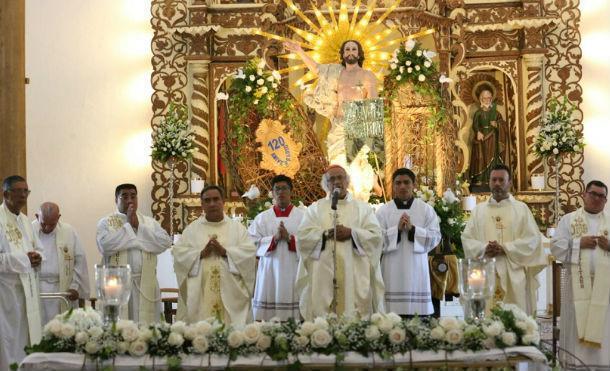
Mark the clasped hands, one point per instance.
(213, 247)
(343, 233)
(590, 242)
(493, 249)
(35, 258)
(132, 217)
(282, 233)
(404, 224)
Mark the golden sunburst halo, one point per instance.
(325, 36)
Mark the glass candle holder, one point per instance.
(113, 284)
(477, 283)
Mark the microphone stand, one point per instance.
(335, 283)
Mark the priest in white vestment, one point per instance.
(215, 264)
(354, 264)
(410, 230)
(20, 321)
(581, 243)
(504, 228)
(65, 266)
(273, 232)
(129, 237)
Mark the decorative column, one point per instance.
(202, 164)
(534, 110)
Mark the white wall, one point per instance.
(595, 30)
(88, 107)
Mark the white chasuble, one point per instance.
(215, 286)
(585, 302)
(274, 292)
(357, 269)
(20, 318)
(120, 244)
(404, 262)
(512, 225)
(64, 268)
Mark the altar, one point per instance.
(493, 359)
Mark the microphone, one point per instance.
(334, 198)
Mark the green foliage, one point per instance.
(557, 135)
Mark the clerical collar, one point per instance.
(400, 204)
(282, 213)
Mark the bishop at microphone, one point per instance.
(354, 264)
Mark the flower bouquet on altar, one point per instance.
(557, 135)
(173, 137)
(412, 63)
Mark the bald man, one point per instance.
(65, 266)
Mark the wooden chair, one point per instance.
(169, 311)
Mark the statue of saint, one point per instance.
(489, 141)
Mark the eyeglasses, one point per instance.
(281, 188)
(599, 196)
(21, 190)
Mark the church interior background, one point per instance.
(95, 80)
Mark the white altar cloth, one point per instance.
(490, 358)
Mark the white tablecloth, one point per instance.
(499, 358)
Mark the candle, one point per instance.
(197, 185)
(469, 202)
(476, 280)
(113, 288)
(538, 182)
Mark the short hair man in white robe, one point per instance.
(411, 229)
(65, 266)
(130, 237)
(215, 264)
(339, 273)
(504, 228)
(20, 322)
(273, 232)
(581, 243)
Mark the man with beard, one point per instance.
(504, 228)
(337, 83)
(581, 243)
(350, 257)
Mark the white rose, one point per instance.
(509, 338)
(67, 331)
(178, 327)
(276, 74)
(489, 343)
(252, 333)
(235, 339)
(421, 78)
(454, 336)
(398, 78)
(376, 317)
(410, 69)
(409, 45)
(372, 333)
(260, 81)
(531, 339)
(397, 336)
(395, 318)
(401, 69)
(419, 53)
(248, 89)
(95, 332)
(270, 78)
(261, 64)
(393, 66)
(320, 338)
(200, 344)
(301, 340)
(449, 323)
(321, 323)
(54, 327)
(307, 328)
(427, 64)
(190, 333)
(255, 101)
(264, 90)
(521, 324)
(130, 333)
(274, 86)
(385, 325)
(263, 342)
(138, 348)
(123, 347)
(437, 333)
(252, 77)
(146, 334)
(91, 347)
(203, 328)
(81, 338)
(493, 329)
(408, 63)
(417, 68)
(531, 325)
(175, 339)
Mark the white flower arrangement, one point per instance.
(82, 331)
(173, 137)
(254, 83)
(411, 54)
(557, 134)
